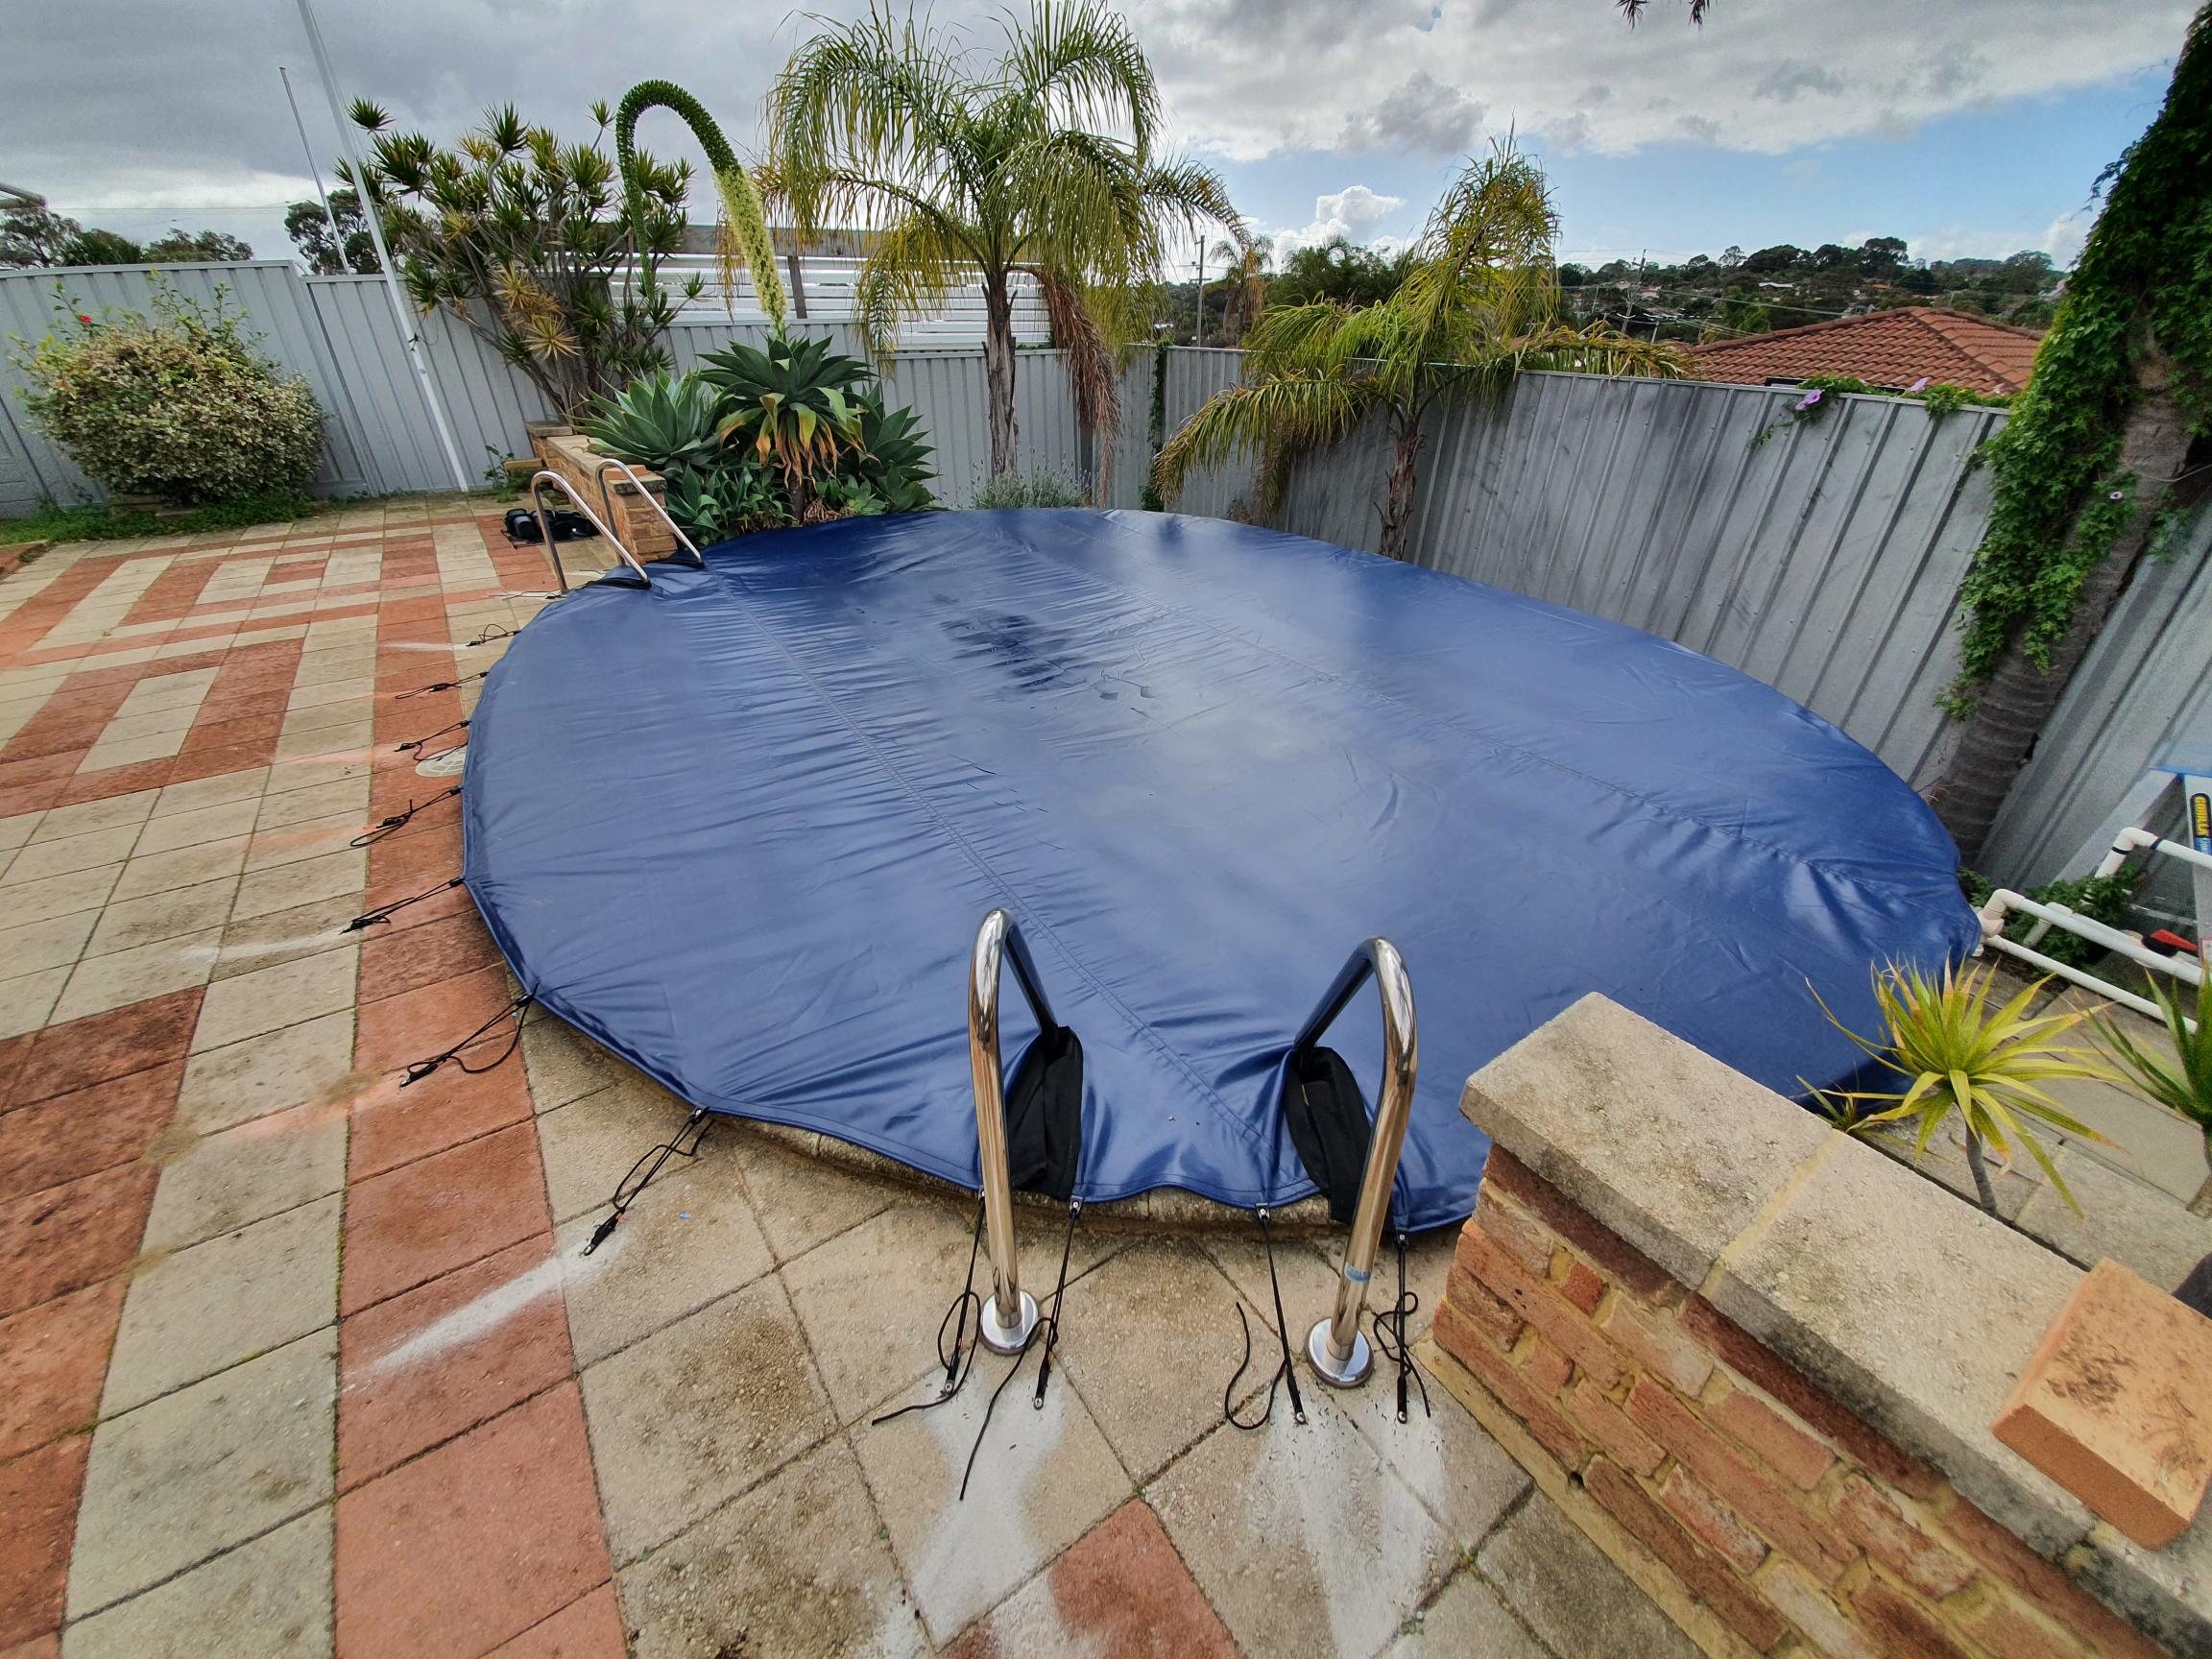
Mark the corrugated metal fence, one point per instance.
(1824, 556)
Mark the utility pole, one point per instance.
(314, 172)
(408, 335)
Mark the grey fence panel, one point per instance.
(2142, 698)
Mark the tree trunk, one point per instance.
(1981, 1169)
(998, 370)
(2012, 707)
(1406, 441)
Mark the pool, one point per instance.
(742, 826)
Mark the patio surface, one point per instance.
(294, 1361)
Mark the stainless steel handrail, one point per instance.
(538, 481)
(1011, 1314)
(651, 500)
(1338, 1349)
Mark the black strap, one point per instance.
(626, 1195)
(384, 827)
(1050, 1330)
(1285, 1372)
(461, 724)
(441, 685)
(418, 1069)
(383, 912)
(1390, 1337)
(949, 1357)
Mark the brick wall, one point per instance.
(1781, 1522)
(641, 529)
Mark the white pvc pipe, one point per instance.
(2133, 840)
(2004, 899)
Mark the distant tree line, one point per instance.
(32, 235)
(1786, 287)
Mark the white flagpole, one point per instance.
(400, 309)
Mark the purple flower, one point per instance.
(1808, 399)
(1919, 385)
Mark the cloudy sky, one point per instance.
(1967, 127)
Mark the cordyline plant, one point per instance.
(529, 241)
(1959, 1054)
(2183, 1084)
(1478, 305)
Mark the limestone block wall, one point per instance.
(1757, 1360)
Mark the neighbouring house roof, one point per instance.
(1887, 348)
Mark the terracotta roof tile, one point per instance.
(1891, 349)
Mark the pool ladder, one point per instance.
(546, 477)
(1339, 1352)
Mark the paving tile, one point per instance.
(69, 1237)
(91, 850)
(27, 1001)
(563, 1064)
(473, 1543)
(224, 821)
(81, 1133)
(1464, 1478)
(1467, 1618)
(285, 935)
(125, 925)
(101, 814)
(53, 943)
(220, 790)
(270, 998)
(112, 1044)
(39, 1495)
(695, 1413)
(1120, 1593)
(1156, 1293)
(185, 867)
(138, 974)
(426, 1365)
(397, 1121)
(200, 1309)
(689, 1238)
(426, 1219)
(53, 1357)
(198, 1471)
(288, 886)
(1042, 1480)
(589, 1627)
(220, 1183)
(797, 1568)
(393, 963)
(1298, 1529)
(590, 1145)
(309, 1064)
(16, 830)
(801, 1201)
(295, 843)
(304, 772)
(265, 1599)
(1566, 1590)
(344, 796)
(54, 896)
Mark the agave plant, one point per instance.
(731, 495)
(892, 459)
(1960, 1054)
(662, 421)
(791, 405)
(2182, 1085)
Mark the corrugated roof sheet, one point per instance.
(1888, 349)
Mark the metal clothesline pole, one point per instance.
(408, 334)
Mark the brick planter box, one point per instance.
(1757, 1361)
(642, 529)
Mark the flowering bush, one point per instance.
(178, 405)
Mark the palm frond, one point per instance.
(1295, 411)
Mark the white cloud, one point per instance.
(1354, 213)
(1251, 78)
(1422, 117)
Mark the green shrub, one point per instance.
(1037, 490)
(2106, 898)
(178, 405)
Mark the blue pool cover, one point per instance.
(742, 827)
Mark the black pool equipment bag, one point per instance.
(1045, 1116)
(1329, 1125)
(523, 526)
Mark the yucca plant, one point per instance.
(791, 405)
(1960, 1054)
(2182, 1085)
(662, 421)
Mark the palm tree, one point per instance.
(1244, 283)
(1480, 302)
(1037, 161)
